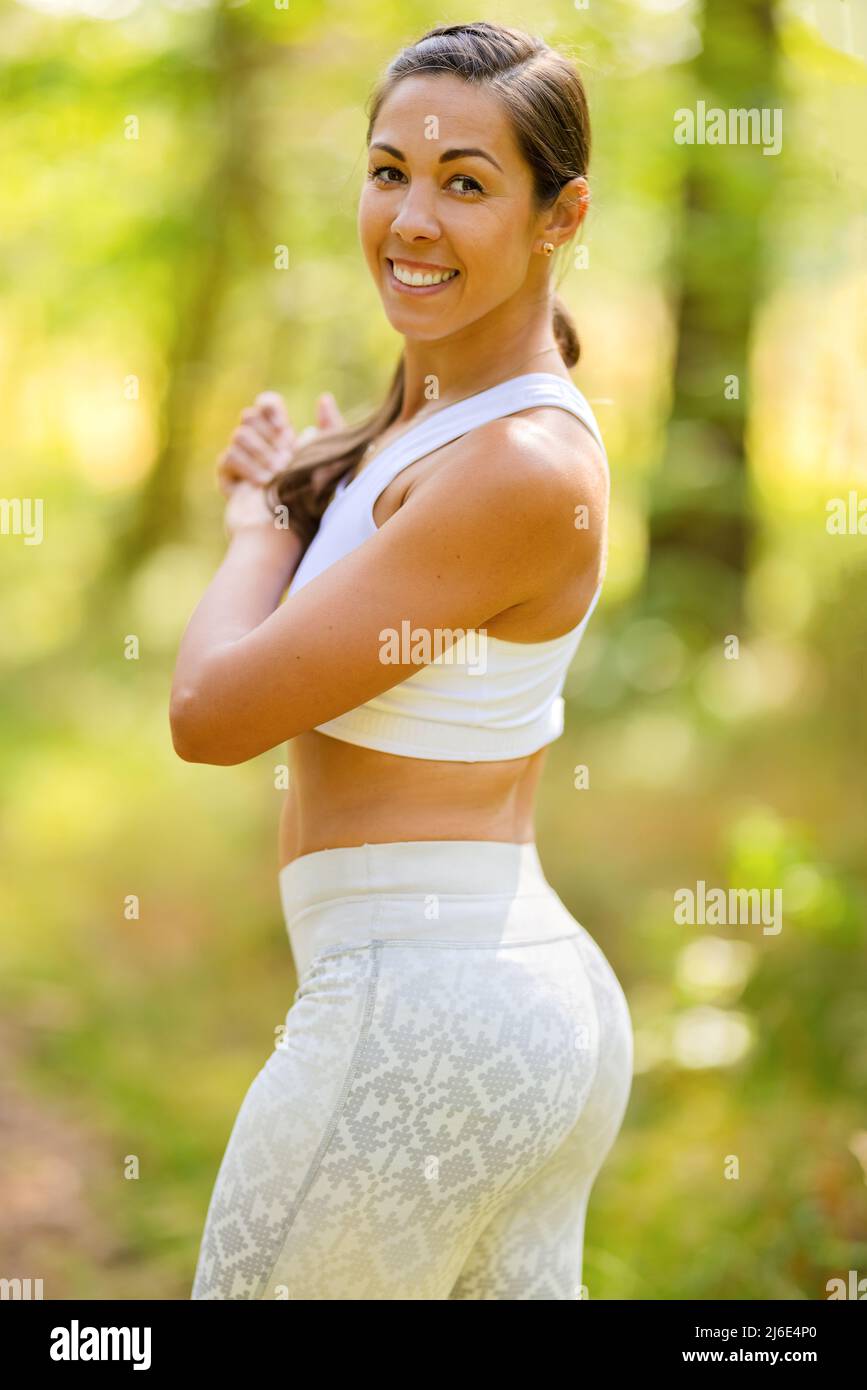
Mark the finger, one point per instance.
(248, 455)
(278, 427)
(254, 418)
(272, 405)
(255, 444)
(250, 460)
(283, 437)
(279, 436)
(231, 471)
(285, 444)
(328, 417)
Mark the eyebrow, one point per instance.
(444, 158)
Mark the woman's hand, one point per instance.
(265, 442)
(262, 446)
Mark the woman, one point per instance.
(458, 1057)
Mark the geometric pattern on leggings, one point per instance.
(426, 1100)
(533, 1247)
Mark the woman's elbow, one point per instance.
(196, 740)
(193, 737)
(182, 723)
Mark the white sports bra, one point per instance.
(457, 708)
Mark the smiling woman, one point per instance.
(457, 1060)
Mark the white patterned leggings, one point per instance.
(453, 1070)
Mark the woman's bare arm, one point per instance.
(490, 529)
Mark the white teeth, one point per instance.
(416, 277)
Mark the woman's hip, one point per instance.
(453, 1031)
(453, 929)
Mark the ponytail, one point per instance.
(306, 487)
(566, 333)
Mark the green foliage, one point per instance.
(143, 310)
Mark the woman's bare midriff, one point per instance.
(341, 795)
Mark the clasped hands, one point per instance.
(263, 445)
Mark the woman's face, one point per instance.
(447, 193)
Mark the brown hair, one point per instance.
(545, 99)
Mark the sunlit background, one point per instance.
(157, 154)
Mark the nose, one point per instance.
(415, 219)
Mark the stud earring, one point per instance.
(547, 247)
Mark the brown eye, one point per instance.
(382, 169)
(475, 186)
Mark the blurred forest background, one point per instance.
(156, 154)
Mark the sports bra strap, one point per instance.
(506, 398)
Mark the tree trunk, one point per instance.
(700, 524)
(203, 274)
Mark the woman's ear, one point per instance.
(568, 212)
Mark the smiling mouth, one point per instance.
(413, 278)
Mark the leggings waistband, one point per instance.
(411, 866)
(488, 891)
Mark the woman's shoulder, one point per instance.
(541, 456)
(532, 486)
